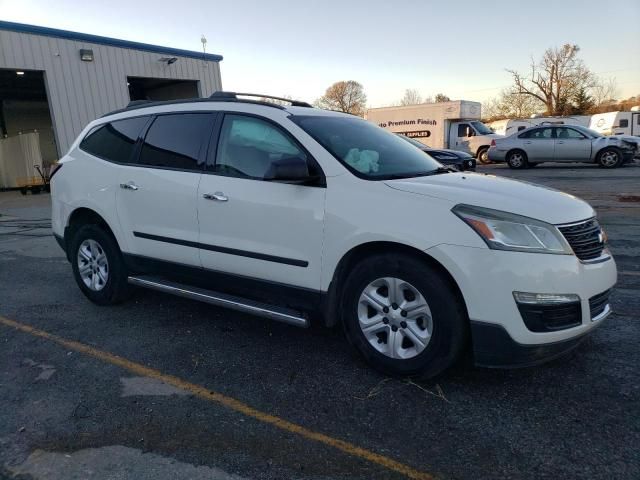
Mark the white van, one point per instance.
(455, 125)
(298, 214)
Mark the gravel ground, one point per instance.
(68, 415)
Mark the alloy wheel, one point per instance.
(93, 265)
(609, 158)
(395, 318)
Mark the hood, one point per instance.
(489, 191)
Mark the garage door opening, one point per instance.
(143, 88)
(26, 130)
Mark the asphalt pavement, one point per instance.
(167, 388)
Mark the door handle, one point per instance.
(527, 143)
(559, 142)
(129, 186)
(218, 196)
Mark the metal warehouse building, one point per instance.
(53, 82)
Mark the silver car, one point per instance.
(565, 143)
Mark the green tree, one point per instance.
(582, 102)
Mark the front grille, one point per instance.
(585, 238)
(549, 318)
(598, 303)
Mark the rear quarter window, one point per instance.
(114, 141)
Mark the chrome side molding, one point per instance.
(222, 300)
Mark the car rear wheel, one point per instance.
(98, 266)
(609, 158)
(402, 316)
(517, 159)
(483, 156)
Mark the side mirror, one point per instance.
(289, 170)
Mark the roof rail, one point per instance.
(233, 97)
(216, 97)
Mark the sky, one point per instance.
(461, 48)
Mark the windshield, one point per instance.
(588, 131)
(366, 149)
(481, 128)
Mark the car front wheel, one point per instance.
(609, 158)
(402, 316)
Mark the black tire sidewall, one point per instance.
(481, 152)
(450, 325)
(525, 160)
(117, 286)
(605, 150)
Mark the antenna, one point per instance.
(203, 40)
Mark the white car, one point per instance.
(295, 213)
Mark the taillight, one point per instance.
(54, 169)
(493, 142)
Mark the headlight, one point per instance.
(507, 231)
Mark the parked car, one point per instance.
(561, 144)
(453, 158)
(295, 213)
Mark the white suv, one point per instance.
(295, 213)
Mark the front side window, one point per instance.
(367, 150)
(248, 146)
(175, 141)
(568, 133)
(114, 141)
(464, 130)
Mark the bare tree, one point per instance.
(603, 92)
(555, 79)
(346, 96)
(411, 97)
(441, 97)
(511, 105)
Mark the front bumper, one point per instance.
(487, 279)
(493, 347)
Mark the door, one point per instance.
(260, 229)
(460, 137)
(571, 145)
(538, 143)
(157, 198)
(635, 124)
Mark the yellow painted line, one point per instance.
(224, 400)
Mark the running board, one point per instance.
(244, 305)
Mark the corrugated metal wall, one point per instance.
(81, 91)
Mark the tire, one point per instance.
(517, 159)
(101, 244)
(23, 191)
(609, 158)
(483, 156)
(447, 320)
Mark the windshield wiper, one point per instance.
(428, 173)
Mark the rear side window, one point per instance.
(624, 123)
(114, 141)
(176, 141)
(538, 133)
